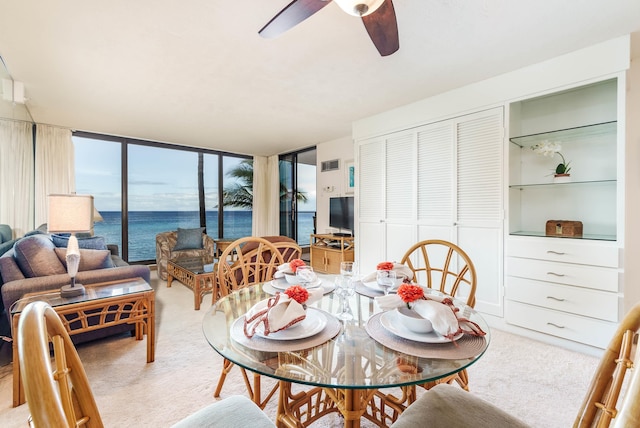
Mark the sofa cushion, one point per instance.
(89, 243)
(35, 256)
(89, 259)
(189, 239)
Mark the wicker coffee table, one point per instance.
(197, 273)
(106, 304)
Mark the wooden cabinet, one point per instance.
(568, 287)
(328, 251)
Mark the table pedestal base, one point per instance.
(301, 409)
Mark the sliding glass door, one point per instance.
(298, 195)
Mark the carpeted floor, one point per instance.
(541, 384)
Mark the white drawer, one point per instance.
(564, 250)
(580, 301)
(561, 324)
(598, 278)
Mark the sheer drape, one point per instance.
(16, 175)
(55, 172)
(266, 196)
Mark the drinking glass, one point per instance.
(348, 269)
(386, 280)
(345, 287)
(306, 276)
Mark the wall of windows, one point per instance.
(142, 188)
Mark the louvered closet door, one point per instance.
(400, 194)
(370, 235)
(479, 201)
(436, 172)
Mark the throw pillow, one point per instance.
(89, 259)
(189, 239)
(89, 243)
(35, 256)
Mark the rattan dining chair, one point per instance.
(444, 266)
(256, 260)
(61, 396)
(446, 406)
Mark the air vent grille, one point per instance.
(330, 165)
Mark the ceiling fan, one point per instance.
(378, 16)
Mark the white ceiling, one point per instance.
(197, 73)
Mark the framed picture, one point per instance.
(350, 176)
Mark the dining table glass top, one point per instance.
(339, 354)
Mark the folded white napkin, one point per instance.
(399, 268)
(392, 301)
(282, 269)
(277, 313)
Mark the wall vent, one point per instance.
(330, 165)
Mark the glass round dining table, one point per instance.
(347, 365)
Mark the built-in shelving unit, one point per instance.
(568, 287)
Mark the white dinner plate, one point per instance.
(314, 323)
(282, 284)
(374, 286)
(391, 323)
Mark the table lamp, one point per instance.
(71, 214)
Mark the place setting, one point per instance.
(384, 280)
(425, 325)
(296, 272)
(286, 321)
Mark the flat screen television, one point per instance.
(341, 214)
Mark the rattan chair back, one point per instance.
(239, 268)
(58, 396)
(443, 266)
(600, 405)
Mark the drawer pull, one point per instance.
(555, 274)
(555, 252)
(555, 325)
(555, 298)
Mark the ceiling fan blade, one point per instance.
(382, 27)
(296, 12)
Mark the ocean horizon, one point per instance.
(145, 225)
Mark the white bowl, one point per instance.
(413, 321)
(291, 278)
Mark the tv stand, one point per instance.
(329, 250)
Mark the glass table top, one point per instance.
(92, 292)
(352, 359)
(196, 265)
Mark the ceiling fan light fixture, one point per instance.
(359, 7)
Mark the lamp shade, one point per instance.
(70, 213)
(359, 7)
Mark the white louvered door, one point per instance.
(437, 181)
(479, 202)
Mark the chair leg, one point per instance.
(226, 367)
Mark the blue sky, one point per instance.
(159, 179)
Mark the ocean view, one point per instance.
(145, 225)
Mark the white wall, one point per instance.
(331, 183)
(632, 179)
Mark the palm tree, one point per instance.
(239, 194)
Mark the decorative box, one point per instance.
(564, 228)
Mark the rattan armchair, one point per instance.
(248, 261)
(165, 244)
(446, 406)
(61, 396)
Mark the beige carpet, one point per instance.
(541, 384)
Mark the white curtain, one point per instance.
(16, 175)
(55, 166)
(266, 196)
